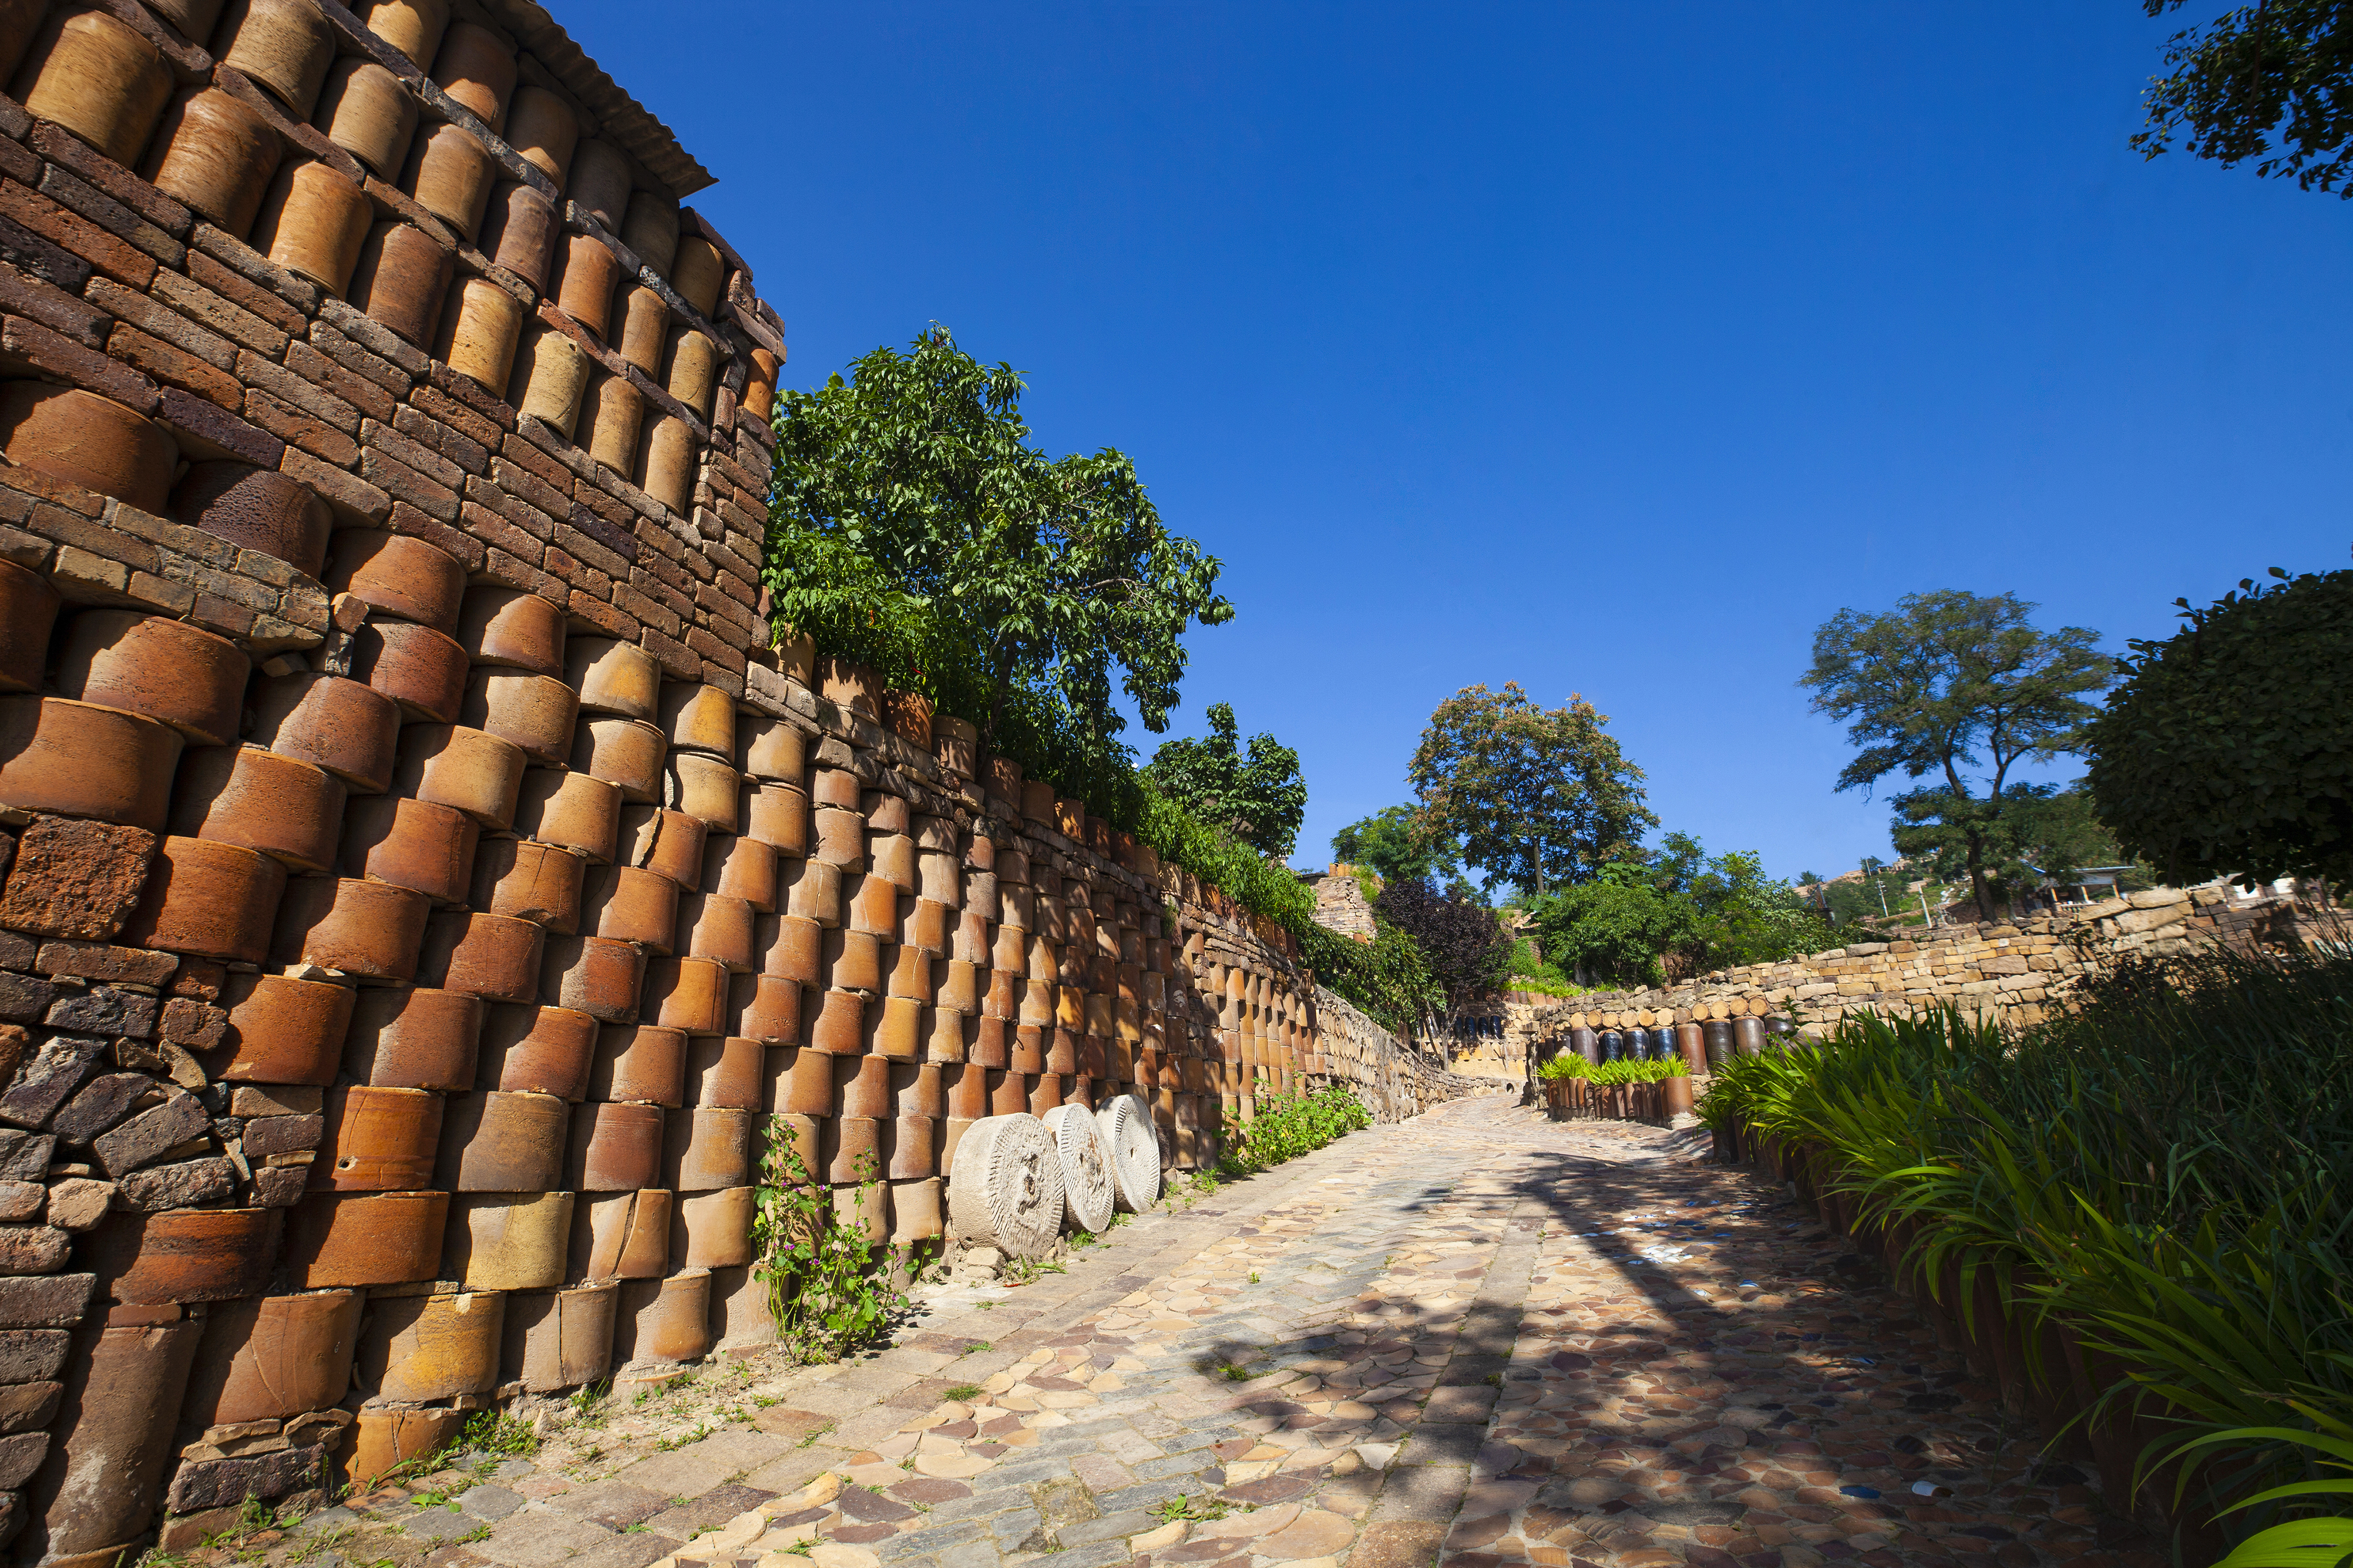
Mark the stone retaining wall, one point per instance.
(2019, 972)
(421, 878)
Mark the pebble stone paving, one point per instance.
(1474, 1339)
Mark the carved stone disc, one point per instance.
(1135, 1153)
(1087, 1181)
(1005, 1189)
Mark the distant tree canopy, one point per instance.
(2272, 81)
(1962, 689)
(1676, 904)
(1459, 938)
(1258, 799)
(2228, 750)
(1396, 846)
(1538, 797)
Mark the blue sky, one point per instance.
(1608, 349)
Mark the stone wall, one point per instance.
(2017, 972)
(1340, 902)
(1391, 1078)
(421, 879)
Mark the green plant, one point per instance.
(963, 1392)
(827, 1290)
(2325, 1543)
(1021, 1270)
(1257, 798)
(1183, 1507)
(1287, 1127)
(810, 1436)
(978, 1345)
(496, 1433)
(1236, 1375)
(1253, 1276)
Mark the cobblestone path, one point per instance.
(1477, 1337)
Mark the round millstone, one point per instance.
(1005, 1189)
(1134, 1154)
(1087, 1181)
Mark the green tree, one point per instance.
(1257, 799)
(2041, 831)
(1459, 938)
(1538, 797)
(1396, 846)
(915, 527)
(2228, 750)
(1950, 685)
(1613, 928)
(2272, 81)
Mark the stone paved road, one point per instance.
(1476, 1336)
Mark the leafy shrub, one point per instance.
(828, 1291)
(1288, 1126)
(1568, 1064)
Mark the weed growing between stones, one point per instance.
(495, 1432)
(828, 1291)
(961, 1391)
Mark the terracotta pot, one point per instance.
(773, 749)
(689, 994)
(534, 711)
(537, 882)
(452, 765)
(485, 325)
(642, 1063)
(650, 228)
(792, 947)
(705, 789)
(183, 1255)
(208, 899)
(336, 724)
(255, 509)
(86, 440)
(698, 273)
(453, 176)
(269, 1357)
(511, 1243)
(412, 26)
(382, 1440)
(403, 278)
(334, 1240)
(285, 46)
(813, 891)
(712, 926)
(28, 609)
(417, 667)
(216, 155)
(194, 18)
(399, 576)
(514, 629)
(612, 412)
(490, 956)
(418, 1348)
(709, 1149)
(645, 327)
(570, 809)
(909, 716)
(760, 386)
(742, 869)
(378, 1140)
(370, 114)
(667, 473)
(591, 273)
(76, 760)
(614, 1148)
(776, 814)
(1674, 1097)
(666, 1320)
(113, 1440)
(561, 1339)
(554, 379)
(542, 128)
(411, 844)
(500, 1142)
(173, 672)
(418, 1037)
(518, 227)
(725, 1074)
(282, 1030)
(600, 183)
(593, 975)
(628, 903)
(475, 66)
(241, 795)
(537, 1050)
(351, 926)
(857, 688)
(315, 223)
(713, 1230)
(692, 376)
(98, 78)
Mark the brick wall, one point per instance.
(421, 879)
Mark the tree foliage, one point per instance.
(1702, 912)
(914, 528)
(1949, 684)
(1257, 799)
(1538, 796)
(2272, 81)
(1394, 844)
(1459, 939)
(2228, 749)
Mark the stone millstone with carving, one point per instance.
(1135, 1153)
(1006, 1187)
(1087, 1181)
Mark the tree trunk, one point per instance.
(1978, 888)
